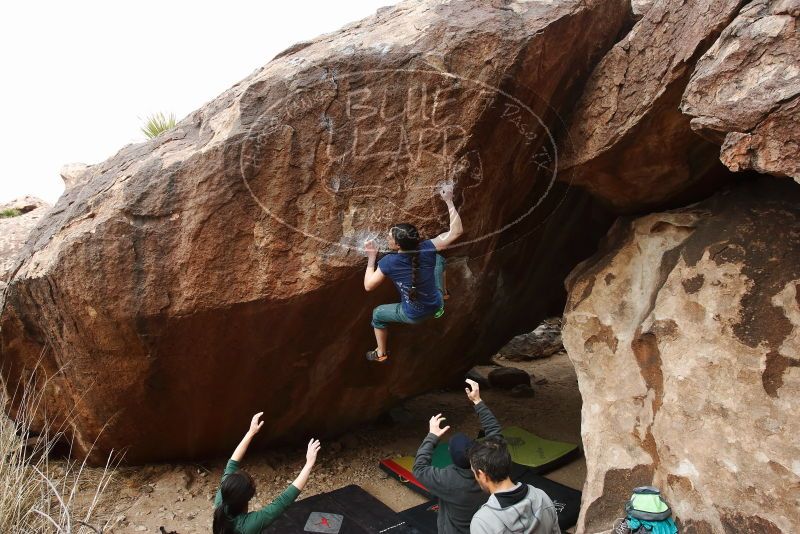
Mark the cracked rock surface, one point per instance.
(745, 91)
(685, 335)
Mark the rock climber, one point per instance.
(458, 492)
(237, 488)
(416, 270)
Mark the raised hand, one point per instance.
(473, 391)
(371, 248)
(434, 425)
(311, 458)
(256, 424)
(446, 191)
(311, 453)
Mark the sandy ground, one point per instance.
(179, 496)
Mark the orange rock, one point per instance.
(628, 142)
(212, 272)
(745, 91)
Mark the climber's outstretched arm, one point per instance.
(255, 425)
(444, 240)
(373, 275)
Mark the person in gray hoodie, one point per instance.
(512, 508)
(455, 487)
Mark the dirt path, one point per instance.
(179, 496)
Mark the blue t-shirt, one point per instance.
(398, 268)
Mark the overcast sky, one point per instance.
(79, 77)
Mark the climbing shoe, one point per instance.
(373, 356)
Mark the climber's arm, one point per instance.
(238, 454)
(373, 275)
(444, 240)
(241, 449)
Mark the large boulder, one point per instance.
(544, 341)
(685, 335)
(745, 91)
(213, 271)
(628, 141)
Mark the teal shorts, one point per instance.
(393, 313)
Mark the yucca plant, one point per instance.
(157, 124)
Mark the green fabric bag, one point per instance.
(646, 504)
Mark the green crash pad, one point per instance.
(539, 454)
(401, 468)
(441, 458)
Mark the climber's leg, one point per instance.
(441, 276)
(438, 272)
(382, 339)
(381, 317)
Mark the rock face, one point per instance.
(745, 91)
(685, 335)
(641, 7)
(13, 233)
(209, 273)
(74, 174)
(14, 230)
(25, 204)
(628, 142)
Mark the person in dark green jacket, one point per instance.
(237, 488)
(459, 494)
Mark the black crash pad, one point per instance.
(566, 500)
(349, 510)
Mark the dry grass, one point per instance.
(37, 494)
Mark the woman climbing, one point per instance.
(237, 488)
(417, 272)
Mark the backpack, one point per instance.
(648, 513)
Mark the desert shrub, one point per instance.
(37, 493)
(11, 212)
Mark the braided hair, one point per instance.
(236, 489)
(407, 237)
